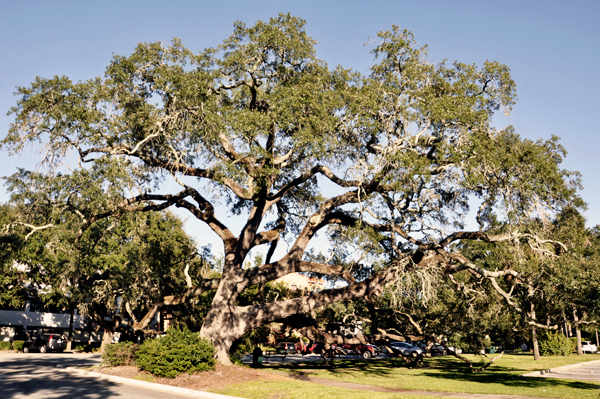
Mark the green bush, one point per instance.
(178, 352)
(18, 345)
(89, 348)
(121, 354)
(554, 344)
(83, 348)
(574, 342)
(4, 345)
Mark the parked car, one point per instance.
(46, 342)
(286, 347)
(373, 348)
(406, 349)
(365, 350)
(458, 350)
(587, 346)
(305, 348)
(438, 349)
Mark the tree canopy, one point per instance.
(387, 165)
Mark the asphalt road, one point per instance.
(43, 376)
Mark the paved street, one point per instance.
(43, 376)
(589, 372)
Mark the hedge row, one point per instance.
(15, 345)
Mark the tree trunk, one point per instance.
(223, 325)
(106, 338)
(536, 348)
(109, 331)
(70, 336)
(534, 340)
(577, 332)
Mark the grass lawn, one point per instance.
(306, 390)
(444, 373)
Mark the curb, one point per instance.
(561, 368)
(150, 385)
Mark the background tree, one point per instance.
(292, 148)
(574, 283)
(125, 266)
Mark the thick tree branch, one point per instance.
(171, 300)
(270, 272)
(267, 312)
(324, 170)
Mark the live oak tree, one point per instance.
(384, 163)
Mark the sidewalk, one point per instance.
(586, 371)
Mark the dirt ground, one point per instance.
(200, 381)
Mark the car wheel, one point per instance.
(25, 349)
(366, 354)
(43, 349)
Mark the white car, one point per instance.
(406, 349)
(587, 346)
(458, 351)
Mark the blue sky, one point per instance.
(552, 48)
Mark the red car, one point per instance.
(305, 348)
(367, 351)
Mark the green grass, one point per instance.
(442, 373)
(147, 378)
(306, 390)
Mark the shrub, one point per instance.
(120, 354)
(18, 345)
(83, 348)
(89, 348)
(4, 345)
(554, 344)
(179, 351)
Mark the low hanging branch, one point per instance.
(206, 285)
(471, 367)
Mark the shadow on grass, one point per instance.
(385, 367)
(510, 380)
(442, 368)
